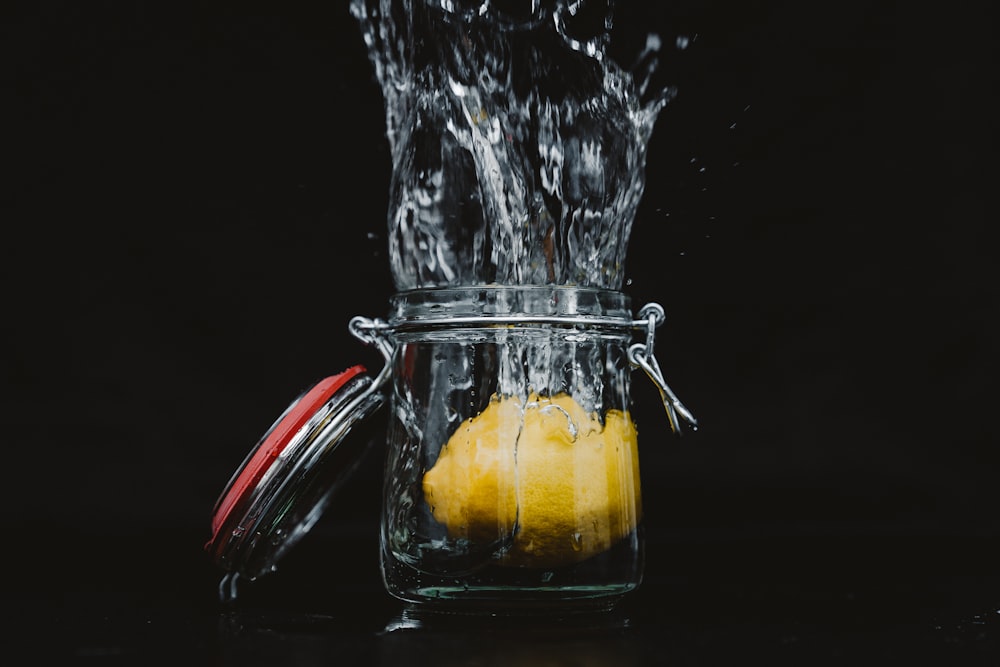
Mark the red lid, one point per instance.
(288, 478)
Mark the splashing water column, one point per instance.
(518, 150)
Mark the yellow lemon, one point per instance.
(563, 484)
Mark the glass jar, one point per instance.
(511, 478)
(512, 470)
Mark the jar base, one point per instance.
(596, 584)
(518, 600)
(545, 618)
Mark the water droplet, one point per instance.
(682, 42)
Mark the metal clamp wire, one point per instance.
(639, 355)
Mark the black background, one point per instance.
(195, 208)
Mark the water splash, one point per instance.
(518, 146)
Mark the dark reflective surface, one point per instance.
(783, 601)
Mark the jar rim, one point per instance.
(489, 303)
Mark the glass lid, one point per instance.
(289, 477)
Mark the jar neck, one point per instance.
(509, 302)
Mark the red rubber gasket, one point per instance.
(277, 440)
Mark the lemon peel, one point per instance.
(563, 484)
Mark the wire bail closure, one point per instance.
(375, 332)
(641, 355)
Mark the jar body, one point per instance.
(512, 472)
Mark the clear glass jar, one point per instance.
(512, 472)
